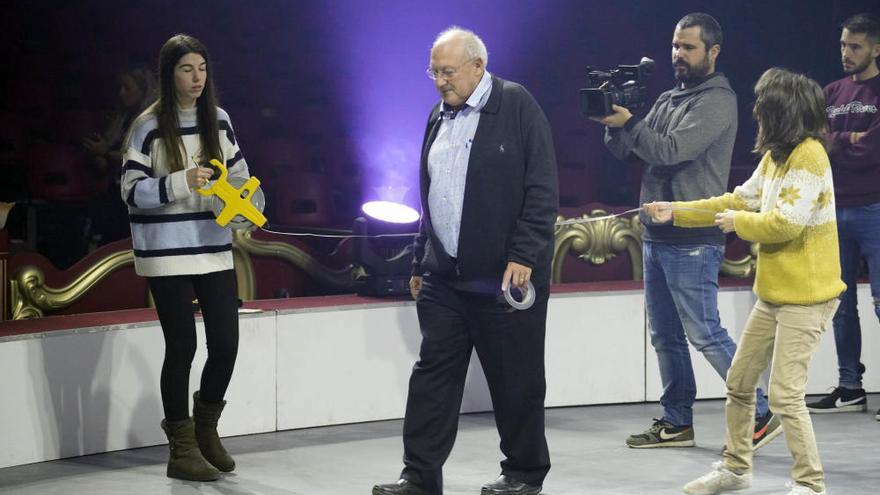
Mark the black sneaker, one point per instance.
(767, 427)
(877, 416)
(662, 434)
(840, 400)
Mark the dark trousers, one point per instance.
(510, 345)
(858, 231)
(219, 304)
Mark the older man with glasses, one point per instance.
(489, 202)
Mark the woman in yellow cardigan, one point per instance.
(787, 207)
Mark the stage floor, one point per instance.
(586, 445)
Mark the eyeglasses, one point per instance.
(447, 72)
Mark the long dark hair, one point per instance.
(789, 108)
(165, 107)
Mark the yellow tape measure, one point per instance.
(239, 206)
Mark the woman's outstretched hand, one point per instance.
(725, 221)
(659, 211)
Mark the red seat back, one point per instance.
(58, 172)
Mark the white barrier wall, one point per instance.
(595, 348)
(70, 393)
(345, 365)
(95, 390)
(734, 306)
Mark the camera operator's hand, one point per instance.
(616, 119)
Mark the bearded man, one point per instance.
(685, 142)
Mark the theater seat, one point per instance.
(58, 172)
(304, 199)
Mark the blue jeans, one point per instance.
(858, 230)
(681, 293)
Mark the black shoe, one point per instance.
(505, 485)
(840, 400)
(402, 487)
(767, 427)
(662, 434)
(877, 416)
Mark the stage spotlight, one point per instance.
(391, 212)
(387, 259)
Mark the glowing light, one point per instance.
(388, 211)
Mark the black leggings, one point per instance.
(219, 304)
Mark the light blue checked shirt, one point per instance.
(448, 164)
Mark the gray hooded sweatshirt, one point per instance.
(686, 142)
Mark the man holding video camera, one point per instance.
(686, 142)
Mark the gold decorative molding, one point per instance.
(598, 241)
(31, 298)
(18, 309)
(743, 267)
(601, 240)
(5, 208)
(245, 278)
(337, 279)
(4, 290)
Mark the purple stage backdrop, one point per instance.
(330, 99)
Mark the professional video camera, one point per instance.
(623, 86)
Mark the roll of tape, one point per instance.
(527, 301)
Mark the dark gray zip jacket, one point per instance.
(686, 142)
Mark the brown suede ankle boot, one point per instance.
(206, 415)
(186, 461)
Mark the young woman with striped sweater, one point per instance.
(787, 207)
(182, 251)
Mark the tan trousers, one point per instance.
(789, 334)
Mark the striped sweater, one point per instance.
(173, 230)
(788, 210)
